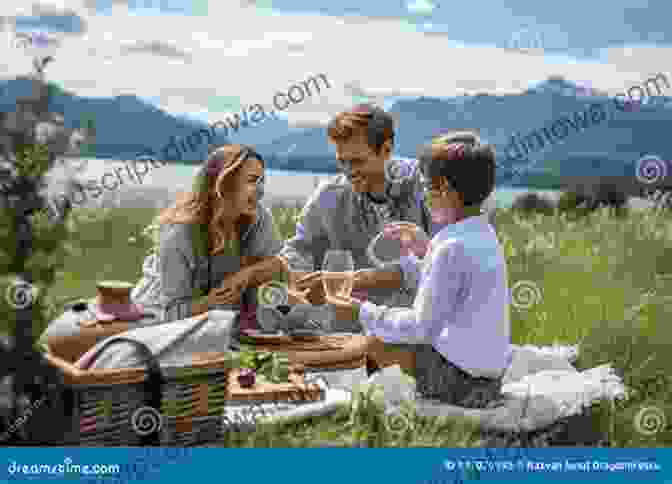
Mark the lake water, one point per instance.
(159, 185)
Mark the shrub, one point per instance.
(533, 203)
(660, 199)
(610, 196)
(574, 203)
(33, 245)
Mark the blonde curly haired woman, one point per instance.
(215, 242)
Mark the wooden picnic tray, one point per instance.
(296, 390)
(338, 351)
(329, 352)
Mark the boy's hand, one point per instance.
(407, 234)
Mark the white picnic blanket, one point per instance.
(540, 387)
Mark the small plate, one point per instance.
(260, 337)
(306, 334)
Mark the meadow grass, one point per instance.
(600, 280)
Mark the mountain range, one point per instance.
(126, 125)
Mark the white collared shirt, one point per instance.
(462, 304)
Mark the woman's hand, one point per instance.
(296, 297)
(311, 286)
(347, 308)
(231, 289)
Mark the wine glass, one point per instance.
(338, 273)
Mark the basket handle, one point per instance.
(153, 384)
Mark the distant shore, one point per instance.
(160, 186)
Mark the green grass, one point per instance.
(599, 280)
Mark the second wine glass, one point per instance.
(338, 273)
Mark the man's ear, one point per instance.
(444, 186)
(386, 149)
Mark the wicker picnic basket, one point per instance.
(155, 405)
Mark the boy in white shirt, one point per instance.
(460, 319)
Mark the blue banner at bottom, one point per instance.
(324, 466)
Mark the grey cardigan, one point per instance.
(335, 218)
(170, 278)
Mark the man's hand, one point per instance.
(366, 279)
(311, 286)
(231, 289)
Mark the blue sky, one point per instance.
(207, 58)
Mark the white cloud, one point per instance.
(21, 8)
(647, 60)
(235, 52)
(424, 7)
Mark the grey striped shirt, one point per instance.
(335, 217)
